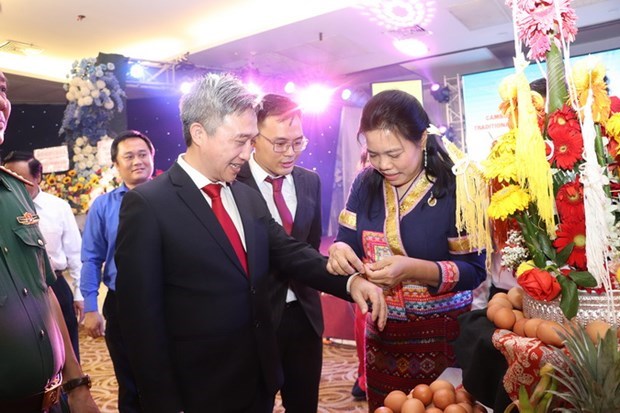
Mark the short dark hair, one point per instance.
(540, 86)
(34, 166)
(277, 105)
(127, 135)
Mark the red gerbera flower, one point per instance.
(573, 232)
(615, 104)
(569, 202)
(561, 120)
(568, 148)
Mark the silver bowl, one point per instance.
(591, 307)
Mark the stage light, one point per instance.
(186, 87)
(346, 94)
(136, 71)
(443, 129)
(254, 89)
(289, 87)
(440, 93)
(315, 98)
(411, 47)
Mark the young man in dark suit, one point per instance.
(293, 195)
(194, 252)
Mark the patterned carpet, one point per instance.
(339, 373)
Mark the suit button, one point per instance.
(257, 324)
(42, 333)
(25, 292)
(253, 291)
(40, 242)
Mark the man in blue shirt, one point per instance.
(132, 154)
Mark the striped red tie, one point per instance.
(278, 198)
(213, 190)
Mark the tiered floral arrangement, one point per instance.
(555, 175)
(93, 95)
(79, 190)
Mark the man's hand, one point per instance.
(363, 291)
(81, 401)
(78, 306)
(93, 322)
(343, 261)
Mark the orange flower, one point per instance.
(539, 284)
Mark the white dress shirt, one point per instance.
(226, 194)
(266, 190)
(62, 237)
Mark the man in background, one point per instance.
(132, 154)
(62, 240)
(36, 356)
(194, 253)
(293, 195)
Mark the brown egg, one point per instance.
(412, 406)
(441, 384)
(454, 408)
(383, 409)
(531, 326)
(463, 396)
(394, 400)
(515, 296)
(433, 410)
(468, 407)
(504, 302)
(518, 314)
(423, 393)
(597, 330)
(504, 318)
(443, 398)
(547, 332)
(500, 296)
(518, 328)
(491, 310)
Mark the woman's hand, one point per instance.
(389, 271)
(343, 261)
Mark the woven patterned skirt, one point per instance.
(407, 353)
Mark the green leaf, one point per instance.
(524, 401)
(583, 278)
(557, 94)
(562, 256)
(545, 244)
(569, 302)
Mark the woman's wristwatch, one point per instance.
(74, 383)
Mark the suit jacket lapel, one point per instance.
(195, 202)
(302, 190)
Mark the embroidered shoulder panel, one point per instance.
(348, 219)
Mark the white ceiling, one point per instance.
(311, 39)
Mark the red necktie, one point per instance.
(213, 190)
(285, 213)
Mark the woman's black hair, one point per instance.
(401, 113)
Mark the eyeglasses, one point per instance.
(298, 145)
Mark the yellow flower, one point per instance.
(51, 180)
(523, 267)
(66, 180)
(507, 201)
(71, 172)
(500, 164)
(612, 126)
(589, 73)
(79, 186)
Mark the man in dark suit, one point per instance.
(293, 195)
(193, 254)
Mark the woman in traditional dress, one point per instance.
(398, 230)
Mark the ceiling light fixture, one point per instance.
(394, 14)
(411, 47)
(17, 47)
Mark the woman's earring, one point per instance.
(425, 159)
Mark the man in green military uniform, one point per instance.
(36, 357)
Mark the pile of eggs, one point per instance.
(438, 397)
(504, 310)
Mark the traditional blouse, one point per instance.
(420, 226)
